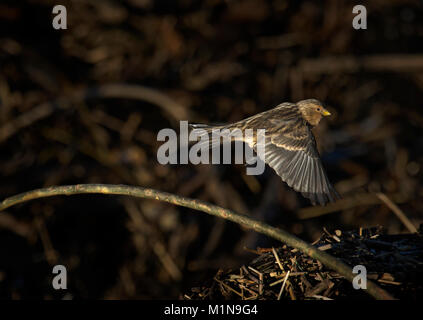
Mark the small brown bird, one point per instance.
(290, 147)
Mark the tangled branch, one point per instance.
(203, 206)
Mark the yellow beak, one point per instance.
(326, 113)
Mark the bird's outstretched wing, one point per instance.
(290, 149)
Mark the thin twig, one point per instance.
(211, 209)
(277, 259)
(361, 199)
(228, 286)
(398, 212)
(378, 63)
(283, 284)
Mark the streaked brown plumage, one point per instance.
(290, 147)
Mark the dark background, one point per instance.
(216, 61)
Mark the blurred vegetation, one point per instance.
(75, 108)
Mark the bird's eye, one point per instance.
(318, 109)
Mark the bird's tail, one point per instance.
(206, 127)
(206, 130)
(199, 125)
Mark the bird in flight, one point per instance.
(290, 147)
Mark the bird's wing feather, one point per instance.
(291, 151)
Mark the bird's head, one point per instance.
(312, 111)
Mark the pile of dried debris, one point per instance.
(395, 262)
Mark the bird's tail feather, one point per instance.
(207, 127)
(212, 141)
(199, 125)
